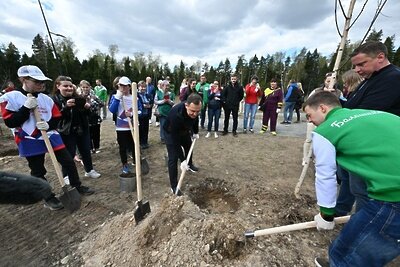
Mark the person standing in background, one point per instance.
(270, 105)
(214, 108)
(101, 92)
(151, 93)
(202, 89)
(252, 91)
(231, 96)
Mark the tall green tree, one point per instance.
(389, 42)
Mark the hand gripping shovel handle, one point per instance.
(50, 149)
(292, 227)
(184, 171)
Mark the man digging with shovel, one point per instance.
(366, 143)
(179, 128)
(17, 109)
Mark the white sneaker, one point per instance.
(66, 180)
(150, 122)
(157, 124)
(92, 174)
(208, 134)
(215, 135)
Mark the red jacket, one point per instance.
(251, 94)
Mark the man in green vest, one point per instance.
(366, 143)
(202, 89)
(101, 92)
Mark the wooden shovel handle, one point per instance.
(183, 173)
(297, 226)
(138, 158)
(50, 149)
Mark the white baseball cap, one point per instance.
(33, 72)
(124, 81)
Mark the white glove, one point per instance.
(196, 136)
(322, 224)
(42, 125)
(278, 110)
(184, 166)
(31, 102)
(119, 95)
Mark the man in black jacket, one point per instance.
(231, 96)
(379, 91)
(180, 127)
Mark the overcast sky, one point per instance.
(206, 30)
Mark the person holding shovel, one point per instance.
(121, 106)
(17, 111)
(371, 236)
(181, 125)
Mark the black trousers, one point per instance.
(36, 164)
(72, 141)
(126, 144)
(144, 130)
(203, 115)
(94, 136)
(235, 111)
(22, 189)
(175, 152)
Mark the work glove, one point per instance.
(184, 166)
(278, 110)
(119, 95)
(322, 224)
(196, 136)
(31, 102)
(42, 125)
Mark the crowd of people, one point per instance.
(352, 134)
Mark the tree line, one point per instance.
(305, 66)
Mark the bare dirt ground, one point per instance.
(244, 183)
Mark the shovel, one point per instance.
(183, 173)
(292, 227)
(143, 207)
(71, 199)
(144, 164)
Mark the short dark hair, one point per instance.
(194, 98)
(273, 80)
(371, 48)
(322, 97)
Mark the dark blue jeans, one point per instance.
(288, 111)
(370, 238)
(22, 189)
(359, 189)
(213, 116)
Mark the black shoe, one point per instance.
(84, 190)
(224, 133)
(320, 262)
(53, 203)
(202, 127)
(145, 146)
(179, 194)
(284, 122)
(234, 133)
(193, 168)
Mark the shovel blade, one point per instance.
(145, 166)
(141, 210)
(71, 199)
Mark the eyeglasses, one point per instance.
(35, 81)
(215, 83)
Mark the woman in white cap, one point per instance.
(121, 107)
(17, 111)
